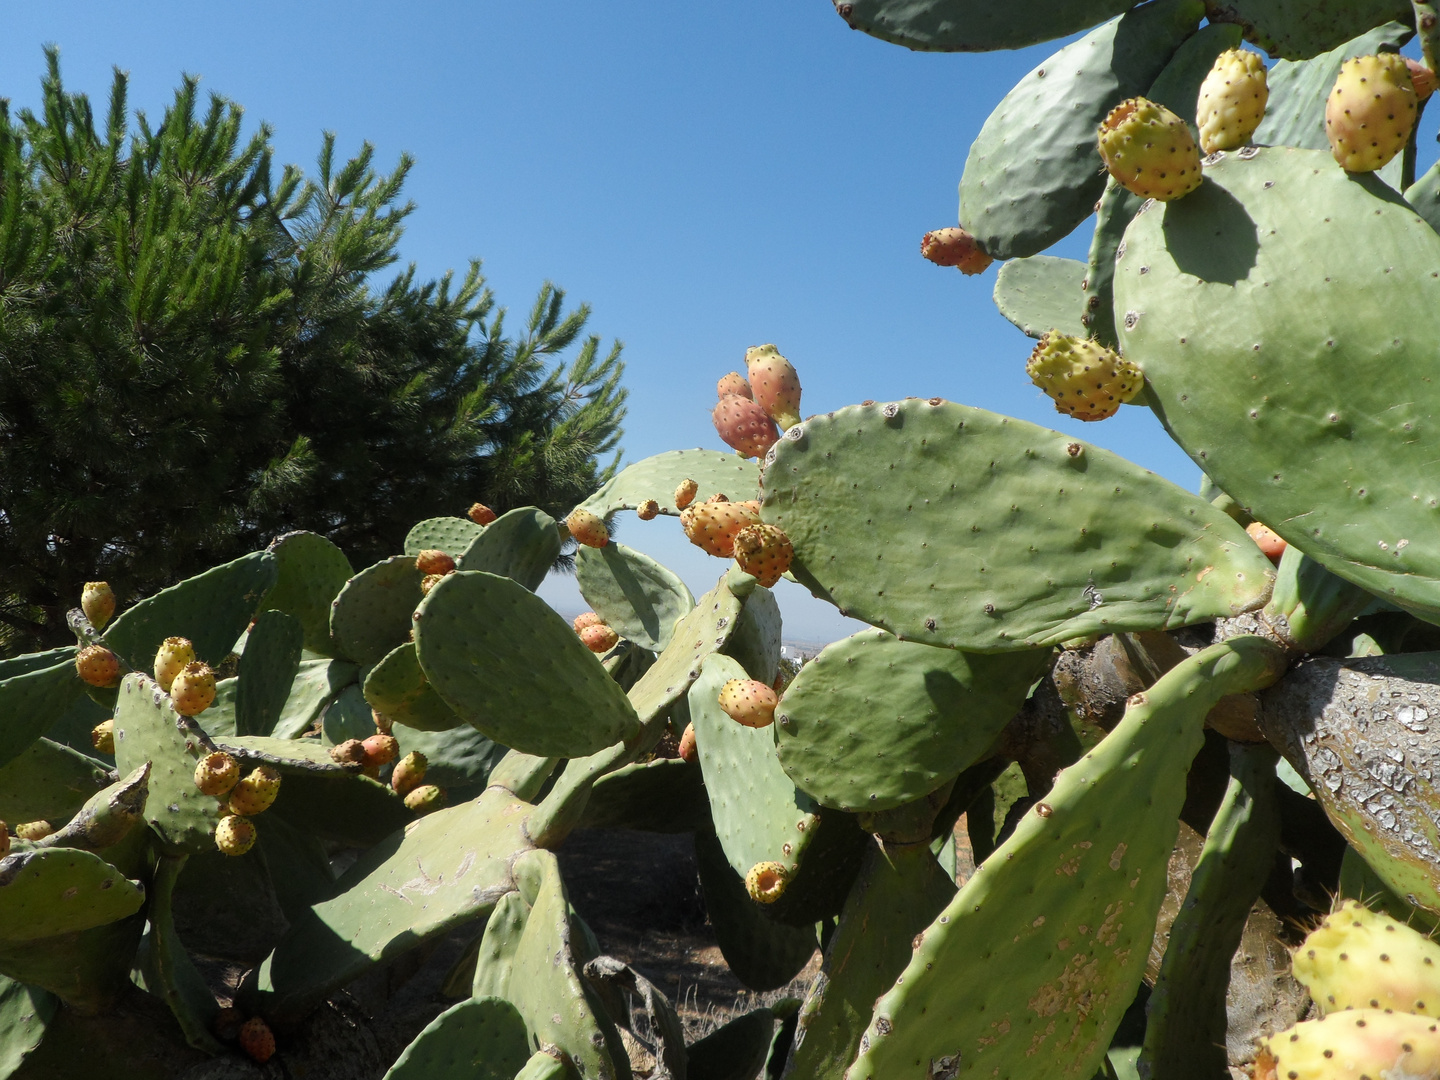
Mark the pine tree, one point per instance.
(195, 356)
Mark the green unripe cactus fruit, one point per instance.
(409, 773)
(235, 835)
(1232, 100)
(766, 882)
(1082, 377)
(954, 247)
(97, 601)
(587, 528)
(1352, 1045)
(764, 552)
(217, 773)
(255, 792)
(1357, 959)
(193, 689)
(97, 666)
(1150, 150)
(171, 658)
(774, 384)
(1370, 112)
(749, 702)
(425, 799)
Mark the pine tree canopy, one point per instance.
(195, 356)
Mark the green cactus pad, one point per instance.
(762, 953)
(545, 1065)
(316, 795)
(1185, 1034)
(147, 728)
(349, 716)
(397, 687)
(665, 795)
(48, 782)
(900, 890)
(874, 722)
(86, 969)
(106, 817)
(550, 992)
(1042, 293)
(451, 535)
(51, 891)
(373, 612)
(755, 645)
(632, 592)
(657, 478)
(1066, 907)
(446, 868)
(267, 670)
(514, 669)
(1298, 29)
(33, 700)
(311, 571)
(523, 775)
(1329, 460)
(460, 760)
(955, 526)
(1034, 171)
(733, 1051)
(316, 684)
(521, 545)
(166, 967)
(25, 1012)
(35, 661)
(707, 629)
(211, 609)
(298, 866)
(476, 1039)
(495, 956)
(974, 25)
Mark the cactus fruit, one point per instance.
(429, 581)
(744, 425)
(409, 773)
(1150, 150)
(97, 601)
(749, 702)
(254, 793)
(1082, 377)
(34, 830)
(480, 514)
(647, 510)
(226, 1024)
(713, 526)
(257, 1040)
(1232, 100)
(97, 666)
(381, 749)
(433, 561)
(1422, 78)
(4, 840)
(764, 552)
(688, 751)
(587, 529)
(685, 493)
(349, 752)
(1351, 1045)
(102, 736)
(733, 383)
(170, 659)
(954, 247)
(1370, 112)
(589, 618)
(235, 835)
(193, 689)
(1358, 959)
(1269, 541)
(599, 638)
(217, 773)
(775, 384)
(425, 799)
(766, 882)
(383, 723)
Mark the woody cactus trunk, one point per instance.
(1171, 749)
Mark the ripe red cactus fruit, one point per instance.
(954, 247)
(744, 425)
(688, 750)
(257, 1040)
(480, 514)
(1269, 541)
(589, 618)
(599, 638)
(349, 752)
(381, 749)
(433, 561)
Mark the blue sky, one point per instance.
(707, 177)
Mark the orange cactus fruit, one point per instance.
(749, 702)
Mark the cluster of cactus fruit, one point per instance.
(1182, 730)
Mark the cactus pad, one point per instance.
(48, 781)
(310, 572)
(398, 688)
(33, 700)
(315, 685)
(522, 545)
(371, 615)
(267, 670)
(1040, 294)
(633, 593)
(1060, 538)
(451, 535)
(514, 669)
(973, 25)
(476, 1039)
(657, 478)
(52, 891)
(25, 1013)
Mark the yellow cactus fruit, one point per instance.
(1150, 150)
(255, 792)
(766, 882)
(170, 659)
(102, 736)
(97, 666)
(193, 689)
(1370, 112)
(97, 601)
(1358, 959)
(749, 702)
(712, 526)
(235, 835)
(429, 581)
(1083, 377)
(587, 528)
(425, 799)
(1232, 100)
(764, 551)
(685, 493)
(217, 773)
(647, 510)
(34, 830)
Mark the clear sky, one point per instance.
(707, 177)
